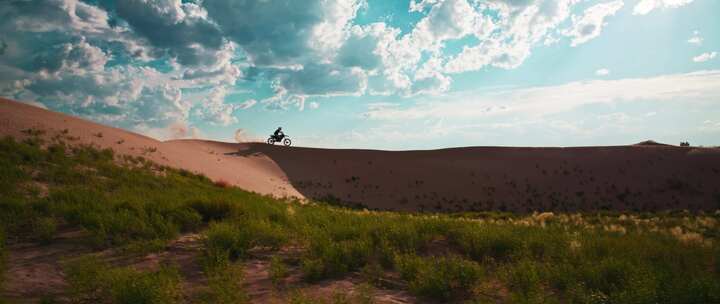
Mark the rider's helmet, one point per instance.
(279, 128)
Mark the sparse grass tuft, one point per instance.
(224, 286)
(2, 258)
(278, 270)
(44, 229)
(91, 280)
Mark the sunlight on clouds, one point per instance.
(537, 101)
(646, 6)
(602, 72)
(705, 57)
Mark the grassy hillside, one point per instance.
(134, 207)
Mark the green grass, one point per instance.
(444, 278)
(224, 286)
(92, 281)
(278, 270)
(136, 206)
(2, 259)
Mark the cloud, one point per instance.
(122, 96)
(602, 72)
(79, 58)
(588, 26)
(247, 104)
(696, 39)
(361, 48)
(710, 126)
(173, 28)
(505, 42)
(153, 64)
(701, 86)
(59, 15)
(704, 57)
(74, 58)
(646, 6)
(274, 33)
(214, 109)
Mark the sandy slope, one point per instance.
(476, 178)
(215, 160)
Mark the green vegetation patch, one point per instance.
(130, 203)
(93, 281)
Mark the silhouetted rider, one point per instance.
(279, 133)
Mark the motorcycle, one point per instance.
(282, 138)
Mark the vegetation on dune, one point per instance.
(125, 202)
(94, 281)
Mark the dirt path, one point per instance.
(34, 271)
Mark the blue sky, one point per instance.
(378, 74)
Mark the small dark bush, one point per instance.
(212, 210)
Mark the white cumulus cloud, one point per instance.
(602, 72)
(589, 25)
(704, 57)
(696, 39)
(701, 86)
(646, 6)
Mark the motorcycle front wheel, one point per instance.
(286, 142)
(271, 141)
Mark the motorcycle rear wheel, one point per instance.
(271, 141)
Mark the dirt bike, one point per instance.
(280, 138)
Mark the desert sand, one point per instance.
(634, 177)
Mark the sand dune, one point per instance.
(637, 177)
(218, 161)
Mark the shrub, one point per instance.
(237, 239)
(44, 229)
(212, 210)
(224, 286)
(442, 278)
(187, 219)
(488, 241)
(364, 294)
(373, 273)
(278, 270)
(229, 238)
(92, 280)
(524, 277)
(130, 286)
(330, 259)
(2, 256)
(299, 297)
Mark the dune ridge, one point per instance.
(634, 177)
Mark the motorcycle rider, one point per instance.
(278, 133)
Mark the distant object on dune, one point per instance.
(650, 143)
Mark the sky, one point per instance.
(375, 74)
